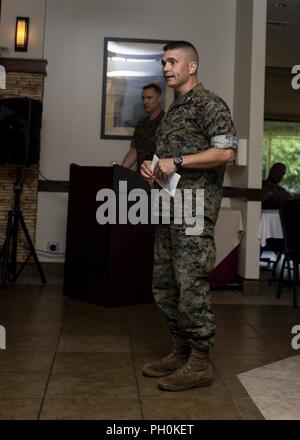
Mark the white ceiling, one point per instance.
(283, 40)
(290, 14)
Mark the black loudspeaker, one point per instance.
(20, 128)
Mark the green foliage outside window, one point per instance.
(282, 144)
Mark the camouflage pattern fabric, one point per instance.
(196, 122)
(144, 139)
(182, 265)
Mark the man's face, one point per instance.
(177, 68)
(151, 100)
(278, 174)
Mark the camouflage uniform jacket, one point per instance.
(144, 138)
(196, 122)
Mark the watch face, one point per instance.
(178, 160)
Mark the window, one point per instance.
(282, 144)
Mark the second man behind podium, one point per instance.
(143, 142)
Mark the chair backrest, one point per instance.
(290, 221)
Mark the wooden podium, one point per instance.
(109, 265)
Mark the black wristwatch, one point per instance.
(178, 161)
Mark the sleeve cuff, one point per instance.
(224, 141)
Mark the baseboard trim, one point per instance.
(251, 287)
(54, 273)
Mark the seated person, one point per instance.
(273, 194)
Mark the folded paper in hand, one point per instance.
(171, 184)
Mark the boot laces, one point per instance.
(172, 354)
(182, 371)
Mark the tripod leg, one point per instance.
(5, 250)
(14, 246)
(32, 250)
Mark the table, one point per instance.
(270, 225)
(228, 235)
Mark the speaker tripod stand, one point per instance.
(8, 253)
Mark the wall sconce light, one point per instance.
(21, 37)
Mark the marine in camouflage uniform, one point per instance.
(144, 138)
(196, 137)
(143, 142)
(182, 264)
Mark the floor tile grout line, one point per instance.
(254, 329)
(278, 379)
(230, 396)
(261, 337)
(241, 412)
(52, 364)
(238, 409)
(264, 340)
(133, 366)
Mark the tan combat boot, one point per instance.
(196, 372)
(178, 357)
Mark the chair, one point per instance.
(290, 220)
(275, 245)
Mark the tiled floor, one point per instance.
(275, 388)
(73, 360)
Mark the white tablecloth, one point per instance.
(270, 225)
(228, 232)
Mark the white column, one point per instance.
(249, 119)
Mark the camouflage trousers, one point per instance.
(182, 265)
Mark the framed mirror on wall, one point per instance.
(129, 65)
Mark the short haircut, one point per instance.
(278, 165)
(185, 45)
(153, 86)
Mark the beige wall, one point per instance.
(75, 30)
(74, 49)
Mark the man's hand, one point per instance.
(147, 171)
(164, 168)
(130, 158)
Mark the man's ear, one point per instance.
(193, 67)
